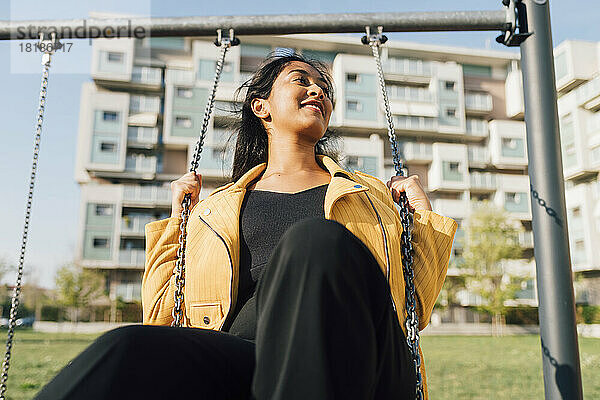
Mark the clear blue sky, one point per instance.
(52, 237)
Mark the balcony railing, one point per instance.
(140, 164)
(406, 66)
(588, 94)
(146, 75)
(142, 135)
(416, 123)
(146, 194)
(131, 224)
(413, 151)
(526, 239)
(480, 180)
(477, 127)
(478, 102)
(450, 207)
(478, 155)
(132, 257)
(408, 93)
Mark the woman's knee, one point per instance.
(324, 246)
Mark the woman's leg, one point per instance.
(326, 328)
(157, 362)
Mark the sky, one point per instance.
(54, 220)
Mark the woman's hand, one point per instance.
(189, 183)
(417, 199)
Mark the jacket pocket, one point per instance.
(206, 315)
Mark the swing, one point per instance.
(518, 21)
(412, 319)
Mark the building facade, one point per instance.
(458, 115)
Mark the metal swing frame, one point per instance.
(523, 23)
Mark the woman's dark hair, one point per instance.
(251, 147)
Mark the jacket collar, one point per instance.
(342, 182)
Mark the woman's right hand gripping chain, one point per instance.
(189, 183)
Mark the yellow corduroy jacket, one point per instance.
(360, 202)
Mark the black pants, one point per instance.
(326, 330)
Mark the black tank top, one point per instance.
(264, 217)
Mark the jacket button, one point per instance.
(206, 320)
(206, 211)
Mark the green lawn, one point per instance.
(458, 367)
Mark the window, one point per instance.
(110, 116)
(104, 209)
(512, 197)
(354, 78)
(108, 147)
(353, 105)
(450, 85)
(577, 212)
(101, 243)
(451, 171)
(509, 143)
(184, 92)
(115, 57)
(451, 112)
(580, 245)
(183, 122)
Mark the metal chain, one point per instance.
(17, 290)
(179, 270)
(412, 319)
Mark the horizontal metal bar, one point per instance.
(256, 24)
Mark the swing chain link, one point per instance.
(412, 319)
(17, 289)
(179, 271)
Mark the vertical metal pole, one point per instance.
(558, 329)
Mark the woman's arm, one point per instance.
(162, 243)
(158, 282)
(432, 238)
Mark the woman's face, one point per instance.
(299, 103)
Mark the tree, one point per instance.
(491, 237)
(78, 287)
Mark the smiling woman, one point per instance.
(294, 284)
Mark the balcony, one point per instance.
(146, 196)
(417, 152)
(477, 127)
(146, 76)
(482, 182)
(132, 257)
(588, 95)
(409, 93)
(406, 66)
(478, 156)
(139, 163)
(478, 103)
(134, 224)
(526, 239)
(143, 137)
(415, 123)
(453, 208)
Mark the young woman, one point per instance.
(294, 284)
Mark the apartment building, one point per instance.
(577, 66)
(458, 115)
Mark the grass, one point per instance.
(509, 367)
(458, 367)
